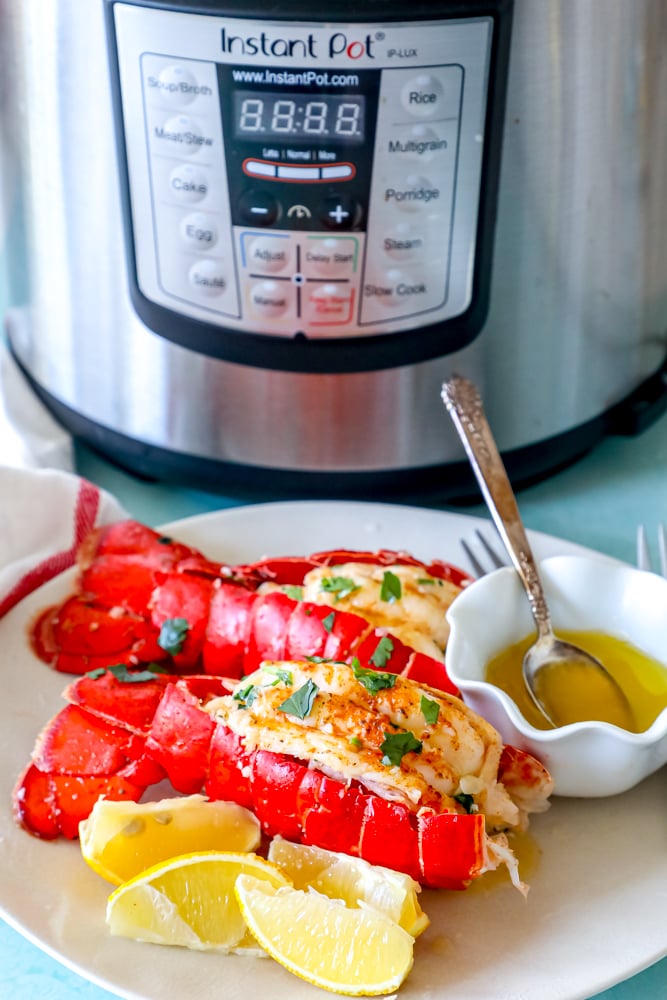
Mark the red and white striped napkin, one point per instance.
(44, 516)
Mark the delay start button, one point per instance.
(423, 96)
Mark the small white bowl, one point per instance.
(584, 593)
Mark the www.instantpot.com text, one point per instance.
(308, 77)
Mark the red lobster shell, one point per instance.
(115, 739)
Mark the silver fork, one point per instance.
(643, 554)
(480, 570)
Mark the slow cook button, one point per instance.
(396, 288)
(188, 184)
(208, 277)
(198, 231)
(423, 96)
(270, 298)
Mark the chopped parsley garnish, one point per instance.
(382, 652)
(245, 696)
(280, 674)
(340, 586)
(430, 709)
(296, 593)
(355, 742)
(328, 622)
(125, 676)
(372, 680)
(466, 801)
(391, 589)
(300, 703)
(395, 746)
(173, 634)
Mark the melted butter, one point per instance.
(642, 679)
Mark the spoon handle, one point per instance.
(465, 408)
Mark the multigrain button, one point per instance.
(199, 231)
(423, 96)
(208, 277)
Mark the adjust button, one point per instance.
(259, 208)
(269, 254)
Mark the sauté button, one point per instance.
(208, 277)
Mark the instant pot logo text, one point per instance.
(339, 45)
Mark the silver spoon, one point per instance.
(465, 408)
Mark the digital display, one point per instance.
(315, 117)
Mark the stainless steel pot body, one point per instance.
(578, 310)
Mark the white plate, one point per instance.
(597, 910)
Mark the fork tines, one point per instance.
(477, 566)
(643, 554)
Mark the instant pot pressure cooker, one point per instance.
(249, 240)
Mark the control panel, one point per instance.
(303, 180)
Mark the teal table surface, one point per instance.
(596, 502)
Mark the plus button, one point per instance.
(339, 212)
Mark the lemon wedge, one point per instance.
(121, 839)
(353, 880)
(190, 901)
(357, 952)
